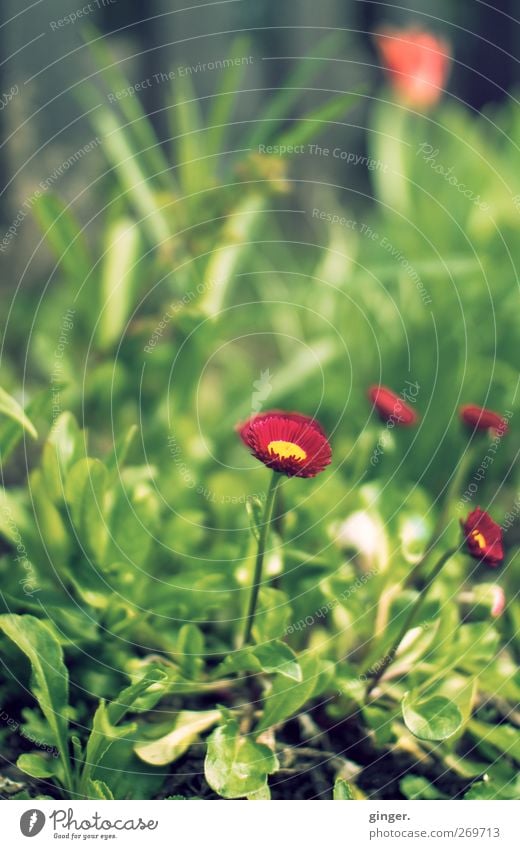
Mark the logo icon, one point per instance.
(32, 822)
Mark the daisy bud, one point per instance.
(484, 539)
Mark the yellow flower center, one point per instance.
(285, 450)
(479, 539)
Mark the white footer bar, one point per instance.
(262, 825)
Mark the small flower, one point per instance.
(479, 418)
(390, 407)
(364, 532)
(291, 444)
(499, 600)
(483, 538)
(417, 63)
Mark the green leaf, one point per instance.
(491, 788)
(12, 409)
(272, 615)
(38, 766)
(255, 513)
(119, 276)
(10, 430)
(274, 657)
(226, 98)
(63, 447)
(63, 235)
(504, 738)
(117, 458)
(417, 787)
(194, 168)
(286, 698)
(343, 791)
(105, 725)
(190, 648)
(139, 123)
(50, 524)
(99, 790)
(435, 718)
(120, 150)
(131, 521)
(49, 678)
(278, 657)
(186, 730)
(233, 243)
(237, 766)
(262, 795)
(126, 775)
(85, 493)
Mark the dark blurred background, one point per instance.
(45, 60)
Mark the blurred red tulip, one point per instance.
(480, 418)
(417, 63)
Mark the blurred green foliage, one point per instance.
(202, 299)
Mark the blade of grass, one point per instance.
(118, 149)
(310, 126)
(118, 280)
(190, 142)
(63, 235)
(224, 100)
(230, 249)
(296, 82)
(144, 134)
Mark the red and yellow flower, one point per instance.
(289, 443)
(484, 538)
(480, 418)
(417, 63)
(390, 407)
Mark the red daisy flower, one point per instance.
(417, 63)
(483, 538)
(291, 444)
(479, 418)
(390, 407)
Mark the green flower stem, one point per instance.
(452, 490)
(262, 542)
(418, 603)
